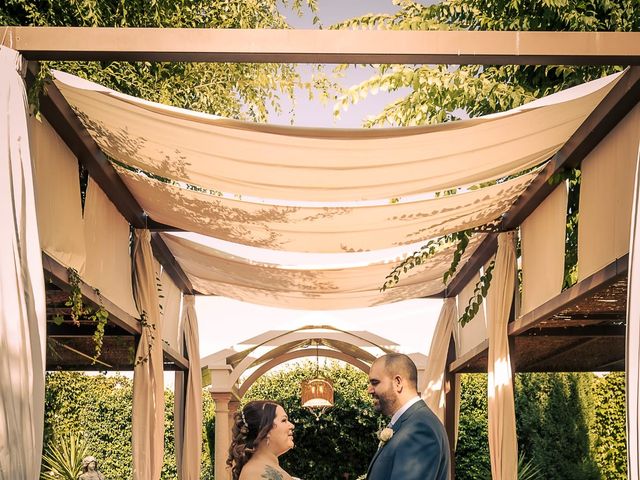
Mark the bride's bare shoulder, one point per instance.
(261, 471)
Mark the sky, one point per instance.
(311, 112)
(224, 322)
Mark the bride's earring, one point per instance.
(267, 440)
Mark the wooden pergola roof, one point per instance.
(580, 330)
(572, 321)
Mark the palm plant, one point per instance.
(527, 470)
(63, 457)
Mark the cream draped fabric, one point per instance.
(543, 243)
(192, 444)
(213, 272)
(171, 306)
(108, 263)
(632, 360)
(148, 383)
(22, 296)
(326, 165)
(58, 202)
(433, 387)
(474, 332)
(321, 229)
(606, 196)
(503, 445)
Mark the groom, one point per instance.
(417, 447)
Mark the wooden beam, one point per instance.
(588, 331)
(602, 278)
(59, 276)
(609, 112)
(468, 358)
(175, 357)
(325, 46)
(607, 366)
(170, 264)
(599, 280)
(85, 329)
(562, 351)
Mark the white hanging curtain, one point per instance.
(22, 297)
(606, 196)
(148, 381)
(58, 203)
(633, 338)
(192, 444)
(543, 243)
(503, 445)
(433, 387)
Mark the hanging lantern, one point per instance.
(317, 393)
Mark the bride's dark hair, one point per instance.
(251, 425)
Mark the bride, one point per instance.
(261, 432)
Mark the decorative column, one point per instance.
(234, 404)
(222, 434)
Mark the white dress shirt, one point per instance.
(403, 409)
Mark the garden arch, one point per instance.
(270, 349)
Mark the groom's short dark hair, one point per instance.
(401, 364)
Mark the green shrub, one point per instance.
(609, 426)
(99, 408)
(554, 412)
(472, 452)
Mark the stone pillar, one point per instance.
(223, 434)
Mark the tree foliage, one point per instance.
(569, 426)
(554, 418)
(342, 440)
(440, 93)
(234, 90)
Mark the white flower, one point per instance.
(385, 435)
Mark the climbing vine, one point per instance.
(78, 309)
(479, 294)
(461, 239)
(99, 316)
(149, 330)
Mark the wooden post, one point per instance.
(223, 434)
(450, 405)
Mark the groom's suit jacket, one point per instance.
(418, 449)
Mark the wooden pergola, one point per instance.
(552, 337)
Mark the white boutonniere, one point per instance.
(385, 435)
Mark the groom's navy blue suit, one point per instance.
(418, 449)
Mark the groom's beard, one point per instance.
(383, 404)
